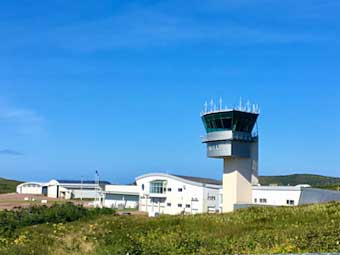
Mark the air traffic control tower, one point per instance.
(231, 137)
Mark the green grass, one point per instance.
(262, 230)
(8, 186)
(330, 187)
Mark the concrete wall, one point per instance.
(121, 196)
(310, 195)
(52, 191)
(239, 174)
(121, 201)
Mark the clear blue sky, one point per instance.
(118, 85)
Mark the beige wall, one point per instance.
(239, 176)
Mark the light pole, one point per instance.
(81, 188)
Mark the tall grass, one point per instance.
(305, 229)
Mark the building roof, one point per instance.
(200, 179)
(81, 182)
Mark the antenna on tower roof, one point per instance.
(221, 102)
(240, 106)
(211, 105)
(248, 106)
(205, 107)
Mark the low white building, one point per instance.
(121, 196)
(174, 194)
(31, 188)
(292, 195)
(67, 189)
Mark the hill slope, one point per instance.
(8, 186)
(295, 179)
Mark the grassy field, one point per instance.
(8, 186)
(266, 230)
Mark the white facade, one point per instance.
(292, 195)
(170, 194)
(34, 188)
(63, 189)
(159, 193)
(276, 195)
(121, 196)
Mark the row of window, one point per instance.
(261, 200)
(158, 188)
(264, 201)
(179, 205)
(236, 121)
(290, 202)
(31, 185)
(214, 147)
(212, 198)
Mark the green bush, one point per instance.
(57, 213)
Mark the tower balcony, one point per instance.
(228, 136)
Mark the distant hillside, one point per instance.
(295, 179)
(8, 186)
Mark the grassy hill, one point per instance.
(8, 186)
(295, 179)
(257, 230)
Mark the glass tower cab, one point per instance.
(229, 133)
(231, 136)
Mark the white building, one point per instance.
(32, 188)
(121, 196)
(292, 195)
(67, 189)
(174, 194)
(159, 193)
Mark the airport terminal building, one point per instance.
(161, 193)
(175, 194)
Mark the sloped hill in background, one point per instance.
(295, 179)
(8, 186)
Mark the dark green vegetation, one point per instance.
(8, 186)
(295, 179)
(262, 230)
(57, 213)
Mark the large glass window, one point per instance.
(158, 187)
(233, 120)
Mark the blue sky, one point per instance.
(118, 85)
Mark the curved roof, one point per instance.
(198, 181)
(25, 183)
(81, 182)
